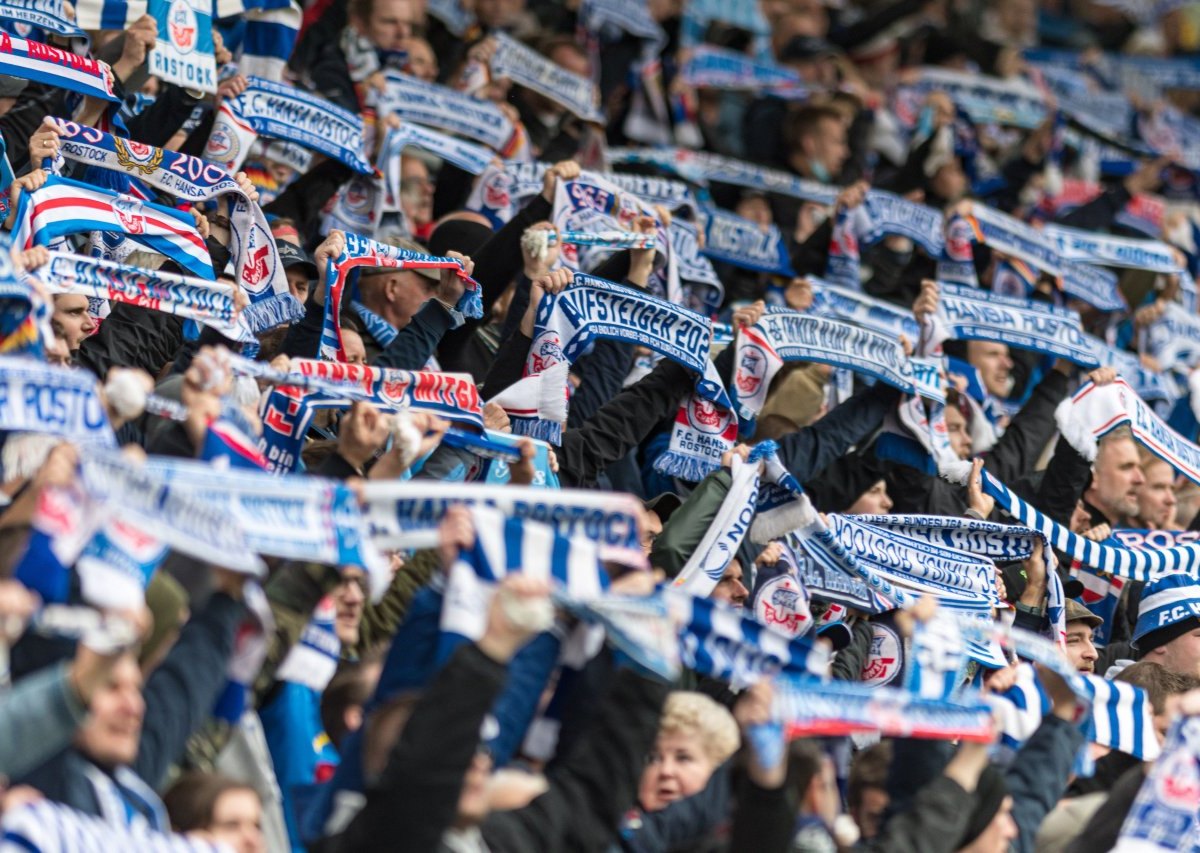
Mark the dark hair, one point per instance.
(805, 122)
(804, 763)
(1158, 681)
(868, 770)
(192, 800)
(350, 686)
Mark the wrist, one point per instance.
(499, 649)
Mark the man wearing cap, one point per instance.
(299, 267)
(1081, 622)
(1168, 625)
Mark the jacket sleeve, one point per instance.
(528, 675)
(1063, 482)
(591, 788)
(1037, 778)
(412, 348)
(688, 524)
(307, 195)
(848, 662)
(622, 423)
(809, 450)
(603, 371)
(132, 337)
(1031, 429)
(181, 692)
(38, 717)
(934, 823)
(380, 620)
(416, 797)
(156, 124)
(765, 819)
(1099, 213)
(35, 102)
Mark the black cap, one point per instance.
(291, 255)
(663, 505)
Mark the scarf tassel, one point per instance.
(278, 310)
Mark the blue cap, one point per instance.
(1170, 607)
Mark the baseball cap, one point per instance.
(11, 87)
(1076, 612)
(412, 246)
(291, 255)
(1170, 607)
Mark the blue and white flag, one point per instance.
(184, 52)
(54, 67)
(406, 514)
(746, 244)
(1165, 816)
(440, 107)
(47, 15)
(285, 112)
(63, 207)
(39, 397)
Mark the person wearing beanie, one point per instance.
(1168, 624)
(853, 485)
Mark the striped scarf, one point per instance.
(63, 207)
(41, 398)
(56, 68)
(1165, 816)
(192, 180)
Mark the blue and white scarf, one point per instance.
(1107, 250)
(713, 67)
(314, 659)
(999, 542)
(271, 33)
(811, 709)
(504, 545)
(47, 827)
(54, 67)
(673, 195)
(858, 308)
(936, 662)
(406, 514)
(738, 241)
(880, 215)
(969, 314)
(828, 581)
(504, 188)
(782, 335)
(701, 167)
(364, 252)
(1174, 339)
(203, 301)
(719, 545)
(986, 100)
(46, 15)
(1165, 816)
(1147, 384)
(1001, 232)
(440, 107)
(591, 204)
(63, 207)
(592, 308)
(192, 180)
(780, 599)
(194, 527)
(38, 397)
(452, 13)
(725, 643)
(530, 69)
(285, 112)
(117, 563)
(537, 397)
(296, 517)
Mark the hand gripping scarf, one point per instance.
(363, 252)
(406, 514)
(191, 179)
(41, 63)
(63, 207)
